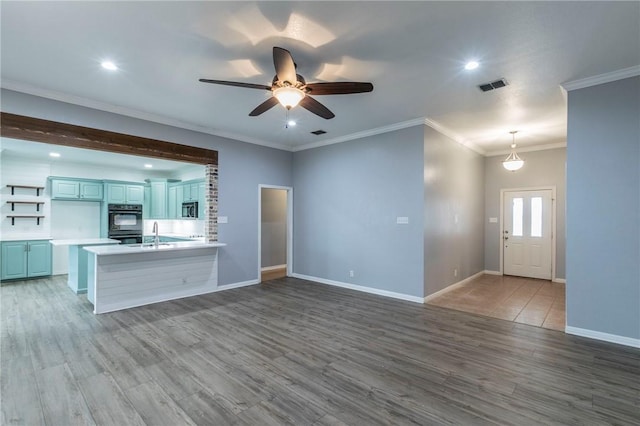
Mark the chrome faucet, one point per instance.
(156, 240)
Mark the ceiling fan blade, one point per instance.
(237, 84)
(265, 106)
(339, 88)
(316, 107)
(283, 62)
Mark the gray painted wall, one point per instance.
(603, 208)
(541, 168)
(273, 243)
(242, 168)
(347, 197)
(453, 211)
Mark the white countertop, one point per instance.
(26, 238)
(150, 248)
(84, 242)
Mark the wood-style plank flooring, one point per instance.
(524, 300)
(274, 274)
(294, 352)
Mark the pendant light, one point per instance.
(513, 162)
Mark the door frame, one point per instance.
(289, 190)
(552, 188)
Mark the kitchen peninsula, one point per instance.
(77, 271)
(125, 276)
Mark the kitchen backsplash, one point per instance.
(178, 227)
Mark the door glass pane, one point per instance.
(536, 216)
(518, 213)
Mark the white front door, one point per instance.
(527, 233)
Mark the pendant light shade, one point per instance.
(513, 162)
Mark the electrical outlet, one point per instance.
(351, 274)
(455, 272)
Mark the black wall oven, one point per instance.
(125, 223)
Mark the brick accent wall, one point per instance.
(211, 199)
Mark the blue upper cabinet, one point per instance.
(190, 191)
(91, 191)
(135, 194)
(61, 189)
(76, 189)
(124, 193)
(172, 202)
(24, 259)
(158, 206)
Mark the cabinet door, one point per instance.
(146, 205)
(116, 193)
(172, 202)
(201, 200)
(186, 192)
(64, 189)
(158, 200)
(38, 258)
(91, 191)
(14, 260)
(179, 200)
(135, 194)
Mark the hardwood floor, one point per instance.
(294, 352)
(273, 274)
(524, 300)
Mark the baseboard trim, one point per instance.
(237, 285)
(453, 286)
(559, 280)
(489, 272)
(273, 268)
(361, 288)
(606, 337)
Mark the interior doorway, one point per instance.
(275, 232)
(528, 228)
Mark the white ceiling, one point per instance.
(412, 52)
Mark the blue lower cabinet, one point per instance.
(25, 259)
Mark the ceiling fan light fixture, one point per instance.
(288, 96)
(513, 162)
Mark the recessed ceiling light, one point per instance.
(54, 154)
(291, 123)
(108, 65)
(471, 65)
(148, 166)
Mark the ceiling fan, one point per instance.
(291, 89)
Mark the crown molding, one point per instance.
(528, 149)
(360, 135)
(452, 135)
(602, 78)
(129, 112)
(142, 115)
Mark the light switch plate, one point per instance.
(493, 220)
(223, 219)
(402, 220)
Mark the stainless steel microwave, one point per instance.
(190, 210)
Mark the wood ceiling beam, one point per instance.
(56, 133)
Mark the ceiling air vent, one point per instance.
(319, 132)
(493, 85)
